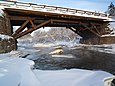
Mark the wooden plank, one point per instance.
(32, 29)
(21, 28)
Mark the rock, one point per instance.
(57, 52)
(5, 27)
(7, 43)
(107, 39)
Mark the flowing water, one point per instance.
(55, 58)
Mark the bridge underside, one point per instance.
(87, 28)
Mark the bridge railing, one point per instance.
(53, 9)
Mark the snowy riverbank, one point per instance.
(16, 71)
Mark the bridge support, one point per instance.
(93, 33)
(7, 42)
(99, 40)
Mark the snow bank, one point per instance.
(73, 77)
(16, 71)
(2, 36)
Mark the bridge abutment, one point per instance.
(7, 42)
(90, 41)
(99, 40)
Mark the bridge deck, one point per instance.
(18, 15)
(36, 9)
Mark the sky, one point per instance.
(92, 5)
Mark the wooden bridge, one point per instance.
(30, 16)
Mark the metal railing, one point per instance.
(52, 9)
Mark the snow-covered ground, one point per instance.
(16, 71)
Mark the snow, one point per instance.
(1, 11)
(2, 36)
(43, 45)
(73, 77)
(112, 27)
(108, 35)
(16, 71)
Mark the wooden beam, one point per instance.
(71, 28)
(74, 29)
(32, 29)
(72, 21)
(95, 28)
(19, 18)
(42, 24)
(64, 21)
(31, 22)
(21, 28)
(91, 30)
